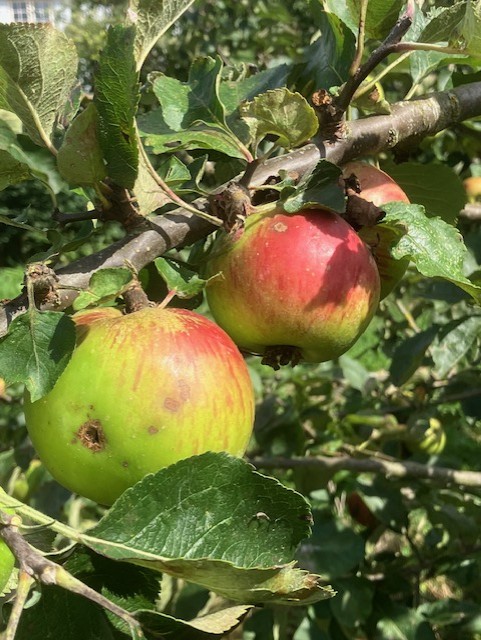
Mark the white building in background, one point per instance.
(29, 10)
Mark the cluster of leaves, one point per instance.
(220, 526)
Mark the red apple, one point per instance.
(140, 392)
(377, 187)
(301, 286)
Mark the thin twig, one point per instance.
(391, 469)
(80, 216)
(349, 89)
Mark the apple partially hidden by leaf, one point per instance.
(140, 392)
(377, 187)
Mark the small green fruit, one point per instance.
(426, 435)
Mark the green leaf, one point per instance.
(327, 60)
(152, 18)
(435, 248)
(381, 16)
(233, 93)
(13, 223)
(353, 603)
(11, 171)
(62, 614)
(471, 27)
(454, 342)
(319, 188)
(34, 83)
(21, 159)
(444, 23)
(197, 137)
(184, 104)
(130, 587)
(183, 281)
(208, 627)
(341, 10)
(36, 350)
(283, 114)
(409, 355)
(333, 549)
(80, 158)
(400, 623)
(148, 194)
(434, 186)
(196, 520)
(192, 115)
(11, 281)
(423, 62)
(105, 285)
(116, 97)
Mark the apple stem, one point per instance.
(135, 297)
(167, 299)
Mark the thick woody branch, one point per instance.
(393, 469)
(412, 120)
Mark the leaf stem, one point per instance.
(387, 69)
(32, 514)
(171, 194)
(356, 63)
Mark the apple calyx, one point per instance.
(281, 355)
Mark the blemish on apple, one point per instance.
(92, 436)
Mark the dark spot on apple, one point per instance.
(171, 404)
(125, 464)
(152, 430)
(92, 436)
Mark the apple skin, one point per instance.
(140, 392)
(302, 280)
(377, 187)
(7, 562)
(7, 559)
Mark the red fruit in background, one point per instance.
(377, 187)
(293, 286)
(360, 512)
(140, 392)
